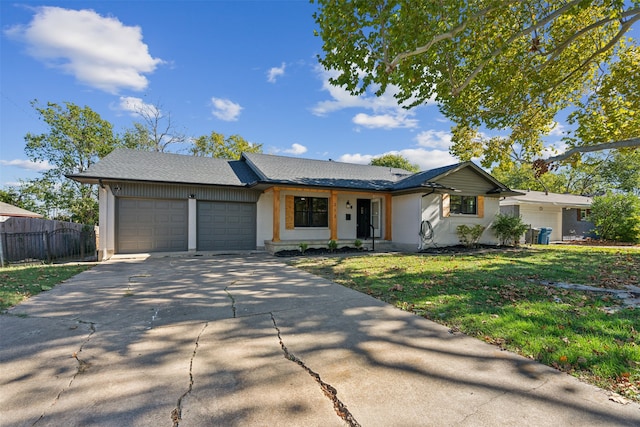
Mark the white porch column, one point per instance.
(192, 213)
(107, 222)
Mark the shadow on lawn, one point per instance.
(500, 297)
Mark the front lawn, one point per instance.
(20, 282)
(507, 298)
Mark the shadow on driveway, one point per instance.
(247, 340)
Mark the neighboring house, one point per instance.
(566, 214)
(7, 211)
(152, 202)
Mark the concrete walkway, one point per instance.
(248, 341)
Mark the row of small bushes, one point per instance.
(507, 228)
(332, 245)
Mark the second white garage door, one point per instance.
(226, 226)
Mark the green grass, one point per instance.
(499, 297)
(19, 283)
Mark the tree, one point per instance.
(216, 145)
(395, 161)
(155, 132)
(13, 196)
(496, 64)
(622, 170)
(586, 177)
(76, 139)
(617, 217)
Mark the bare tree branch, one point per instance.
(560, 47)
(440, 37)
(496, 52)
(625, 143)
(603, 49)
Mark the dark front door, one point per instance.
(364, 218)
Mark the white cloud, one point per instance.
(275, 72)
(384, 121)
(341, 98)
(360, 159)
(27, 164)
(437, 139)
(428, 159)
(387, 113)
(98, 51)
(225, 109)
(558, 129)
(425, 159)
(136, 106)
(296, 149)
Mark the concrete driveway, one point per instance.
(247, 341)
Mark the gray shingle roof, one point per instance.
(542, 198)
(424, 179)
(322, 173)
(134, 165)
(253, 168)
(9, 210)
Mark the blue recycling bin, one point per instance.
(545, 235)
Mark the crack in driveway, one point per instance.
(176, 414)
(233, 300)
(82, 367)
(329, 391)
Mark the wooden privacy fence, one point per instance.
(24, 240)
(57, 245)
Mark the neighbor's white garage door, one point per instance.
(147, 225)
(549, 216)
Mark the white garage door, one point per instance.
(226, 226)
(548, 216)
(147, 225)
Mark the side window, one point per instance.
(584, 214)
(464, 205)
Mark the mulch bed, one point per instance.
(318, 251)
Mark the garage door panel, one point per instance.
(147, 225)
(226, 226)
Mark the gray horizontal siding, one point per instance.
(181, 192)
(467, 181)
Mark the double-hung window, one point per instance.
(311, 211)
(584, 214)
(464, 205)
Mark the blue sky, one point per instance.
(233, 67)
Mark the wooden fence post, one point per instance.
(47, 246)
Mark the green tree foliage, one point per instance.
(77, 138)
(11, 195)
(219, 146)
(617, 217)
(503, 65)
(587, 176)
(622, 171)
(395, 161)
